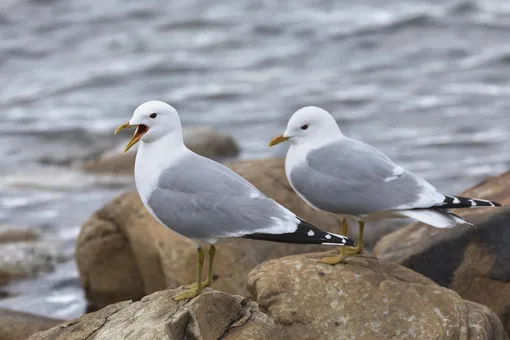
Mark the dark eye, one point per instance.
(153, 115)
(304, 127)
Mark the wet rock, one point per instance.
(22, 259)
(19, 326)
(212, 315)
(10, 235)
(202, 140)
(123, 253)
(5, 278)
(472, 261)
(364, 299)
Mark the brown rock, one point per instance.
(19, 326)
(212, 315)
(123, 253)
(364, 299)
(5, 278)
(472, 261)
(10, 235)
(203, 140)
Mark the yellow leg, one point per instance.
(193, 290)
(350, 251)
(343, 251)
(209, 280)
(359, 245)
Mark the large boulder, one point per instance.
(202, 139)
(210, 316)
(472, 261)
(364, 299)
(123, 253)
(19, 326)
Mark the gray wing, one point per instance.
(202, 199)
(351, 177)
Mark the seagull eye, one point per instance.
(153, 115)
(304, 127)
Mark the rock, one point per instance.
(212, 315)
(5, 278)
(210, 143)
(19, 326)
(472, 261)
(123, 253)
(10, 235)
(14, 260)
(364, 299)
(22, 259)
(202, 140)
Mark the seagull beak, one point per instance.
(140, 131)
(278, 139)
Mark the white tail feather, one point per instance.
(435, 218)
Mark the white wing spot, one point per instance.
(328, 236)
(311, 233)
(254, 194)
(397, 172)
(455, 199)
(473, 203)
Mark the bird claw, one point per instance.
(193, 285)
(189, 293)
(191, 290)
(344, 253)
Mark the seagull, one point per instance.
(202, 199)
(341, 175)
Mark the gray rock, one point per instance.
(210, 316)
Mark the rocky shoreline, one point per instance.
(421, 283)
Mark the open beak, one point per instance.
(140, 131)
(278, 139)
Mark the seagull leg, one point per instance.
(359, 245)
(194, 289)
(209, 280)
(343, 251)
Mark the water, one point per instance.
(427, 82)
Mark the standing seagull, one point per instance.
(204, 200)
(332, 172)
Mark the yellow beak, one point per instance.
(277, 140)
(140, 131)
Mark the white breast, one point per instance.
(151, 160)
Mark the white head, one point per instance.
(307, 124)
(153, 120)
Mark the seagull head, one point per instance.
(307, 124)
(153, 120)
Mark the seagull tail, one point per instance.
(439, 218)
(466, 202)
(305, 233)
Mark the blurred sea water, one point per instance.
(427, 82)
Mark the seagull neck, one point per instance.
(152, 158)
(166, 148)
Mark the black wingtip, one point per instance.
(306, 233)
(466, 202)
